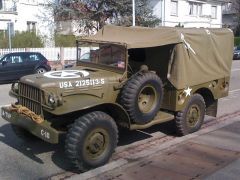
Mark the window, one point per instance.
(33, 57)
(195, 9)
(1, 4)
(31, 26)
(174, 7)
(12, 59)
(214, 12)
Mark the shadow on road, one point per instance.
(32, 149)
(127, 137)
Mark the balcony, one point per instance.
(8, 7)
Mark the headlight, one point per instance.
(54, 100)
(51, 100)
(15, 87)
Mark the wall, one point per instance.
(183, 16)
(25, 11)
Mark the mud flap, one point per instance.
(211, 110)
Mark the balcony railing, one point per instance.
(8, 10)
(8, 7)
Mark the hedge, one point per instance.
(237, 41)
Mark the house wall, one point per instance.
(28, 15)
(182, 16)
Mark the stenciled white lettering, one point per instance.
(81, 83)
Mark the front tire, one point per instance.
(91, 140)
(191, 118)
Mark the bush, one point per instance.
(65, 40)
(3, 40)
(26, 39)
(21, 40)
(236, 41)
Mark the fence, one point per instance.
(52, 54)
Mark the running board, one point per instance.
(161, 117)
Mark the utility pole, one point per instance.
(134, 13)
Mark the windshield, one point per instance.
(106, 54)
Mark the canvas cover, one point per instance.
(200, 54)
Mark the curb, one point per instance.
(151, 152)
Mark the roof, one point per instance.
(142, 37)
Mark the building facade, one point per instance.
(189, 13)
(230, 13)
(27, 15)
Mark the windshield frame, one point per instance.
(101, 66)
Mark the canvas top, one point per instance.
(200, 54)
(142, 37)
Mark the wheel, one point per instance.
(23, 134)
(41, 70)
(142, 97)
(91, 140)
(191, 118)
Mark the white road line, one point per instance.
(233, 70)
(4, 105)
(236, 90)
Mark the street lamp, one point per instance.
(133, 12)
(9, 35)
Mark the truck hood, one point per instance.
(71, 78)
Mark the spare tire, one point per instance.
(142, 96)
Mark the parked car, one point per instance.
(15, 65)
(236, 53)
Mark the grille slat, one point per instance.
(30, 97)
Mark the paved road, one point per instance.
(21, 160)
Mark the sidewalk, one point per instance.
(211, 153)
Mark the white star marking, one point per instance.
(69, 74)
(66, 74)
(188, 91)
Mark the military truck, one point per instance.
(130, 77)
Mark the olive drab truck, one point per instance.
(125, 77)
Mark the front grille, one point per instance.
(30, 97)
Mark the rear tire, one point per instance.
(40, 70)
(91, 140)
(191, 118)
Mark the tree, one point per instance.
(235, 4)
(94, 14)
(238, 17)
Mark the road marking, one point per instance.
(4, 105)
(233, 70)
(236, 90)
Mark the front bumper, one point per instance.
(42, 130)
